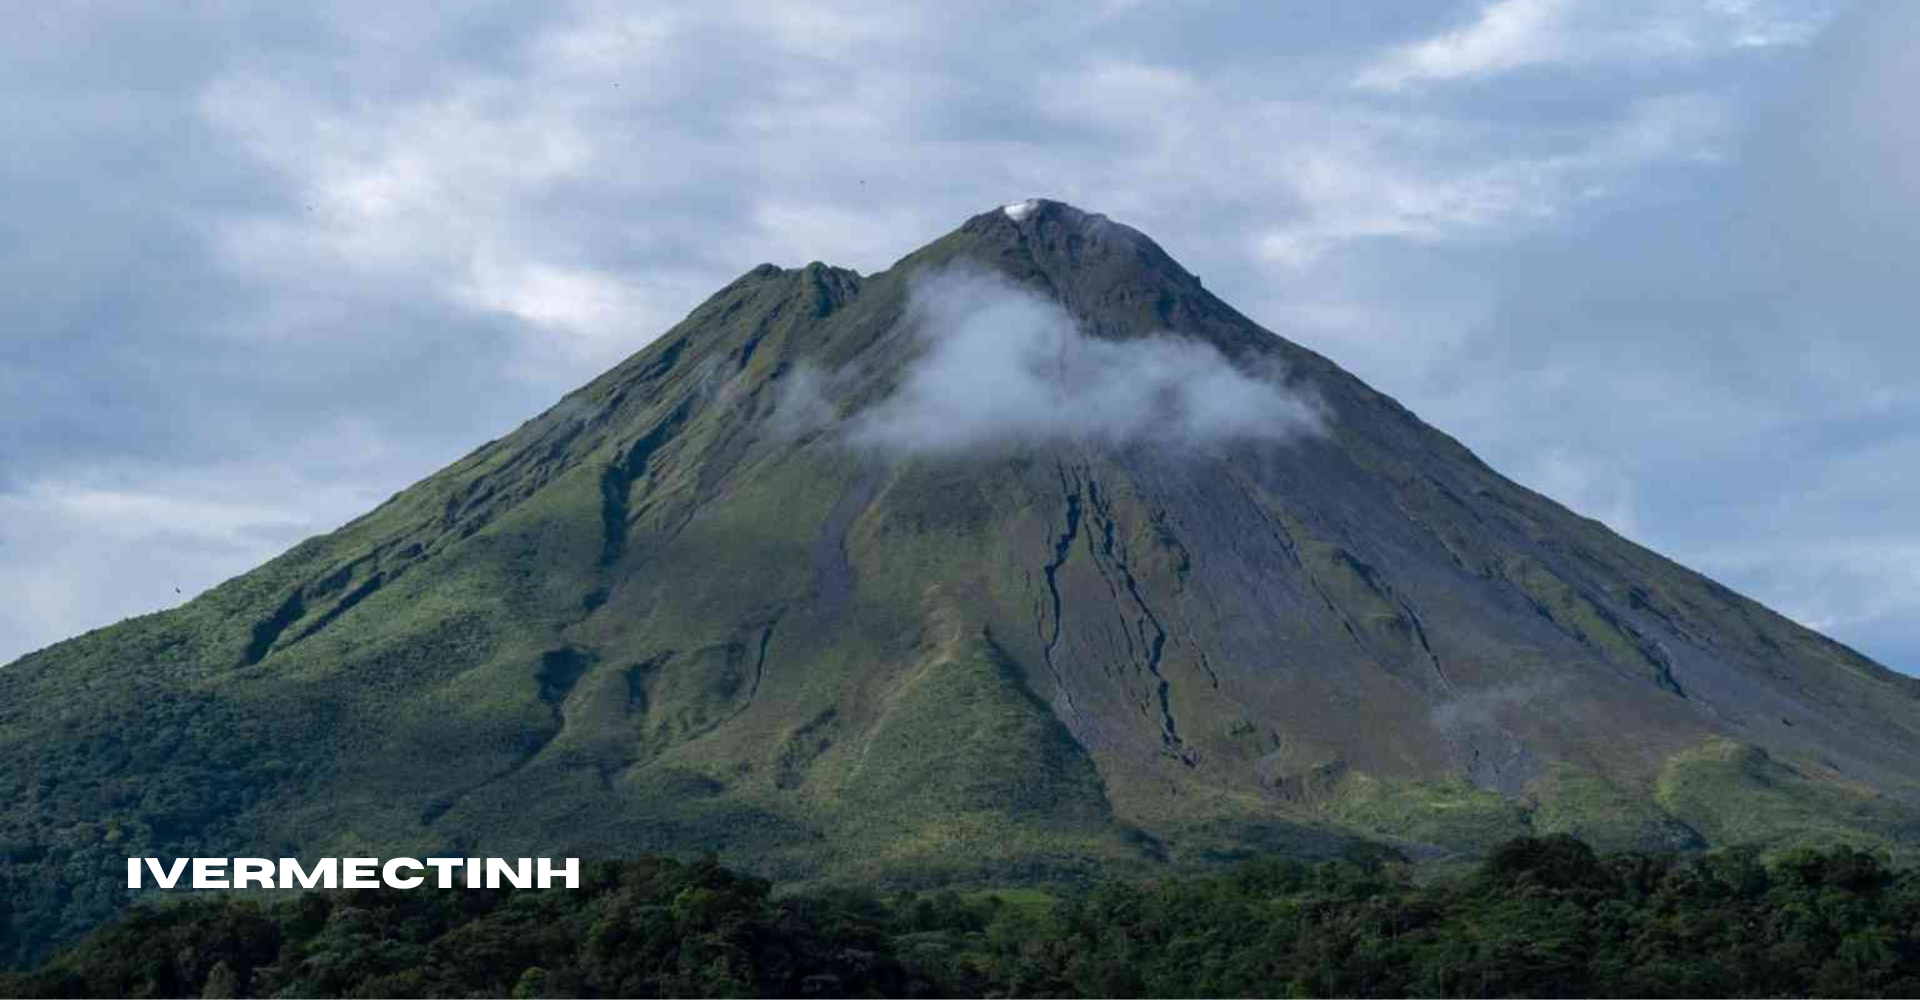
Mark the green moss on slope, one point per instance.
(1736, 793)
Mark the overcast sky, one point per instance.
(262, 265)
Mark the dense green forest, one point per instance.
(1540, 917)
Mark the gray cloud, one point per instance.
(1504, 36)
(1002, 366)
(802, 404)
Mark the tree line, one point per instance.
(1539, 917)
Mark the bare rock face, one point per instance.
(1025, 559)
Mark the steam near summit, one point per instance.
(1001, 365)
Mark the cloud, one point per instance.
(1484, 707)
(1838, 178)
(435, 193)
(1003, 366)
(802, 404)
(130, 547)
(1372, 177)
(1588, 487)
(1297, 176)
(1509, 35)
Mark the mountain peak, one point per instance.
(1018, 210)
(1030, 208)
(1042, 218)
(1112, 278)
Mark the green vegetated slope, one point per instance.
(681, 612)
(1540, 917)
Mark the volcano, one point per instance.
(1025, 560)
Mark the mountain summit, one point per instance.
(1024, 559)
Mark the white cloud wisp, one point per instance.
(1005, 366)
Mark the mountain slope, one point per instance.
(688, 609)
